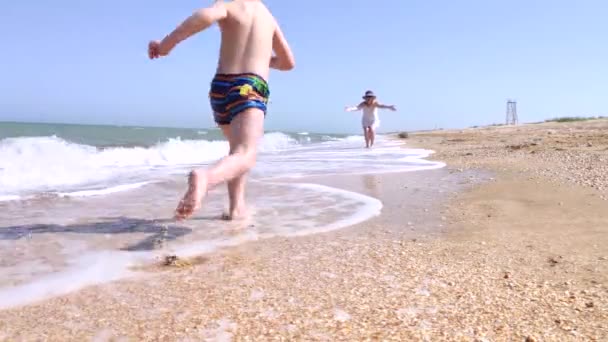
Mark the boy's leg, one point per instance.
(236, 186)
(372, 136)
(366, 136)
(245, 130)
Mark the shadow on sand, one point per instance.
(160, 230)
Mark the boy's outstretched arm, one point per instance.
(283, 58)
(198, 21)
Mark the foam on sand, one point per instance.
(97, 267)
(105, 191)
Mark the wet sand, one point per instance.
(42, 237)
(499, 246)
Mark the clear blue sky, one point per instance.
(444, 63)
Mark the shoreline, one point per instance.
(421, 203)
(497, 252)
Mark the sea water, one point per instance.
(80, 205)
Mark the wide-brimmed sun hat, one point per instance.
(369, 94)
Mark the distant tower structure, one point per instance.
(512, 112)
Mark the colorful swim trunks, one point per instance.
(231, 94)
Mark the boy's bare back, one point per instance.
(247, 35)
(250, 34)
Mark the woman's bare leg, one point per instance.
(366, 137)
(245, 131)
(372, 136)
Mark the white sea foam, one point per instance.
(345, 156)
(48, 164)
(79, 193)
(6, 198)
(104, 191)
(32, 165)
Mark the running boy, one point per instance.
(239, 92)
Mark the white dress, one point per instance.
(370, 117)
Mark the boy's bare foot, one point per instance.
(197, 189)
(239, 213)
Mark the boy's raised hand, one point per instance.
(155, 49)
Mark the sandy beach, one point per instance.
(507, 243)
